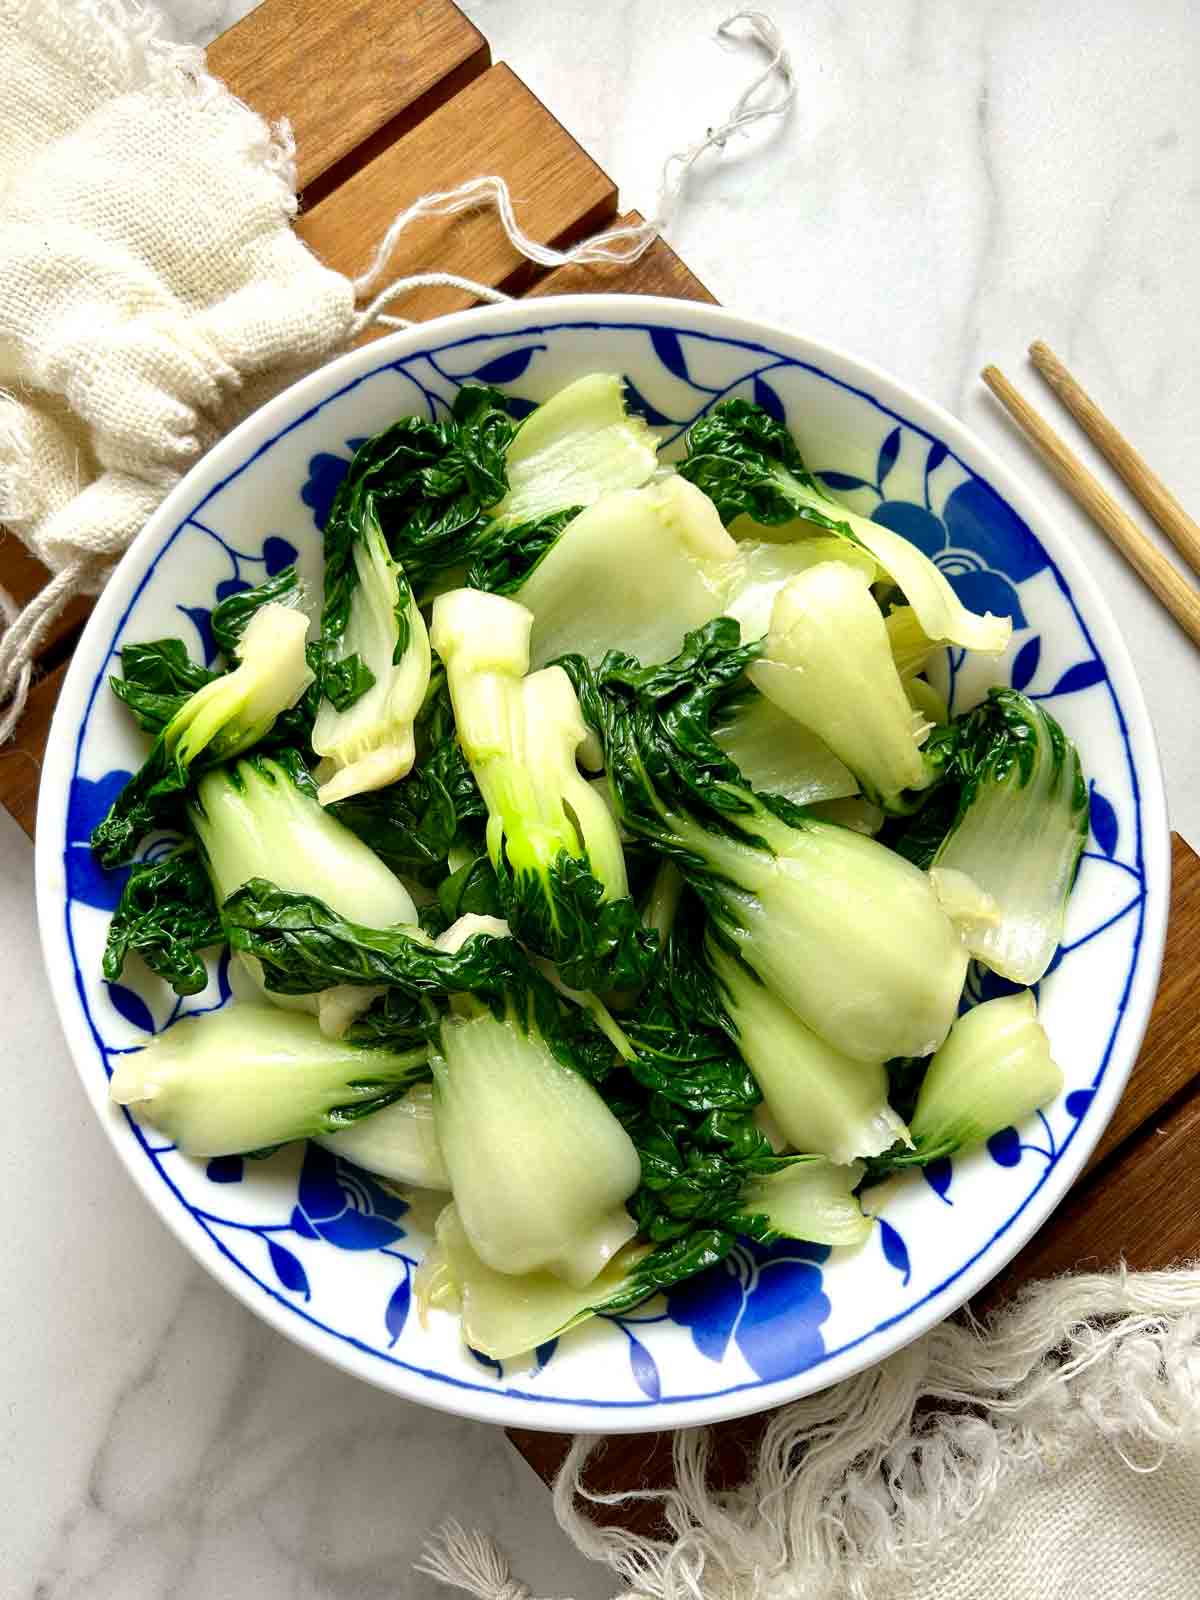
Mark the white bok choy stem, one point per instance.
(822, 1101)
(812, 1200)
(253, 820)
(503, 1315)
(539, 1166)
(828, 664)
(778, 755)
(634, 572)
(521, 734)
(910, 645)
(846, 932)
(236, 710)
(371, 743)
(247, 1077)
(581, 444)
(1021, 825)
(993, 1072)
(941, 614)
(400, 1142)
(760, 568)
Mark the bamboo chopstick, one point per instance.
(1180, 599)
(1146, 485)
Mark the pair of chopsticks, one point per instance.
(1159, 574)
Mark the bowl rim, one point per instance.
(290, 407)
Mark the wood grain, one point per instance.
(350, 77)
(659, 271)
(1138, 1201)
(1146, 559)
(23, 575)
(1146, 485)
(21, 761)
(1170, 1055)
(496, 125)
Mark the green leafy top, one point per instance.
(426, 485)
(229, 713)
(736, 453)
(166, 915)
(232, 616)
(157, 679)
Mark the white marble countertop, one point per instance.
(955, 181)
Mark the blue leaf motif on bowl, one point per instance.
(87, 806)
(768, 1299)
(345, 1206)
(325, 474)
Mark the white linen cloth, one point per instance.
(152, 292)
(1053, 1455)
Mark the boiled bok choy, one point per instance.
(399, 1142)
(227, 715)
(581, 444)
(1018, 832)
(376, 668)
(248, 1077)
(539, 1165)
(603, 582)
(261, 819)
(821, 1101)
(812, 908)
(993, 1072)
(505, 1315)
(612, 853)
(776, 754)
(828, 664)
(551, 839)
(749, 466)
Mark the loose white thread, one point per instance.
(620, 245)
(863, 1485)
(469, 1561)
(126, 50)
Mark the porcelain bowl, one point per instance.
(326, 1254)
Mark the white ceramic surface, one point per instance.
(326, 1256)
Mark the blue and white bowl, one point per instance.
(326, 1254)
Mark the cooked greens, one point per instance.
(552, 840)
(605, 861)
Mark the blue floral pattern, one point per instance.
(767, 1314)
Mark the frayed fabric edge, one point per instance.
(863, 1481)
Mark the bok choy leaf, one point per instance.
(812, 908)
(375, 664)
(224, 717)
(248, 1077)
(551, 839)
(828, 664)
(749, 465)
(1019, 829)
(166, 915)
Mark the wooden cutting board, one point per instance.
(420, 106)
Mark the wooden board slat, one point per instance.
(349, 77)
(1140, 1204)
(659, 271)
(1170, 1056)
(21, 761)
(496, 125)
(23, 575)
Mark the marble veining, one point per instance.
(956, 181)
